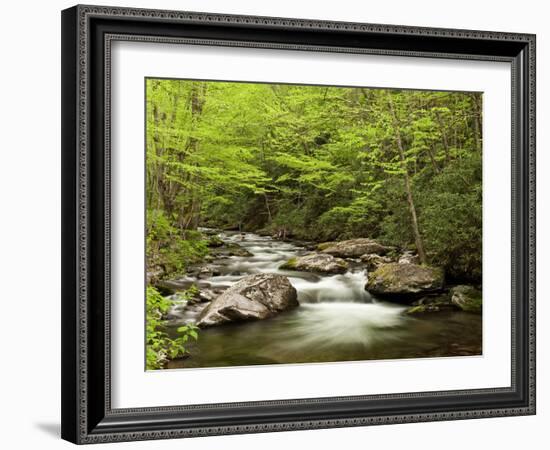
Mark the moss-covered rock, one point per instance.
(467, 298)
(289, 265)
(423, 309)
(431, 304)
(404, 282)
(409, 258)
(324, 245)
(373, 261)
(215, 241)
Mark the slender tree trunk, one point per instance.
(267, 207)
(432, 159)
(197, 99)
(445, 139)
(478, 123)
(163, 187)
(414, 220)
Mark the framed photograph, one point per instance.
(279, 224)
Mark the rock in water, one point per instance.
(409, 258)
(317, 262)
(373, 261)
(404, 282)
(252, 298)
(354, 248)
(467, 298)
(432, 303)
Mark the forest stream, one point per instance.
(337, 320)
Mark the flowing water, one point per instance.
(337, 320)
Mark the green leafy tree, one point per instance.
(314, 162)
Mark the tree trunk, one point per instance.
(444, 136)
(197, 99)
(478, 121)
(162, 185)
(267, 207)
(414, 220)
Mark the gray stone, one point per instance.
(404, 282)
(373, 261)
(254, 297)
(317, 262)
(409, 258)
(467, 298)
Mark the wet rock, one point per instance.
(316, 262)
(467, 298)
(254, 297)
(404, 282)
(422, 309)
(409, 258)
(215, 241)
(432, 303)
(354, 248)
(324, 245)
(208, 231)
(373, 261)
(208, 272)
(433, 299)
(205, 272)
(207, 295)
(308, 276)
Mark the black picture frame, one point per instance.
(87, 32)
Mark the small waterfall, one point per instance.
(348, 287)
(269, 255)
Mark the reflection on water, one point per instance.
(337, 320)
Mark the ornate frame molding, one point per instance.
(86, 422)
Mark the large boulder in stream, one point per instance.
(254, 297)
(404, 282)
(467, 298)
(317, 262)
(354, 248)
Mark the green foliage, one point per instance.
(170, 248)
(159, 346)
(452, 218)
(313, 162)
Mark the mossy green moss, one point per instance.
(289, 265)
(214, 241)
(467, 298)
(474, 305)
(416, 309)
(324, 245)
